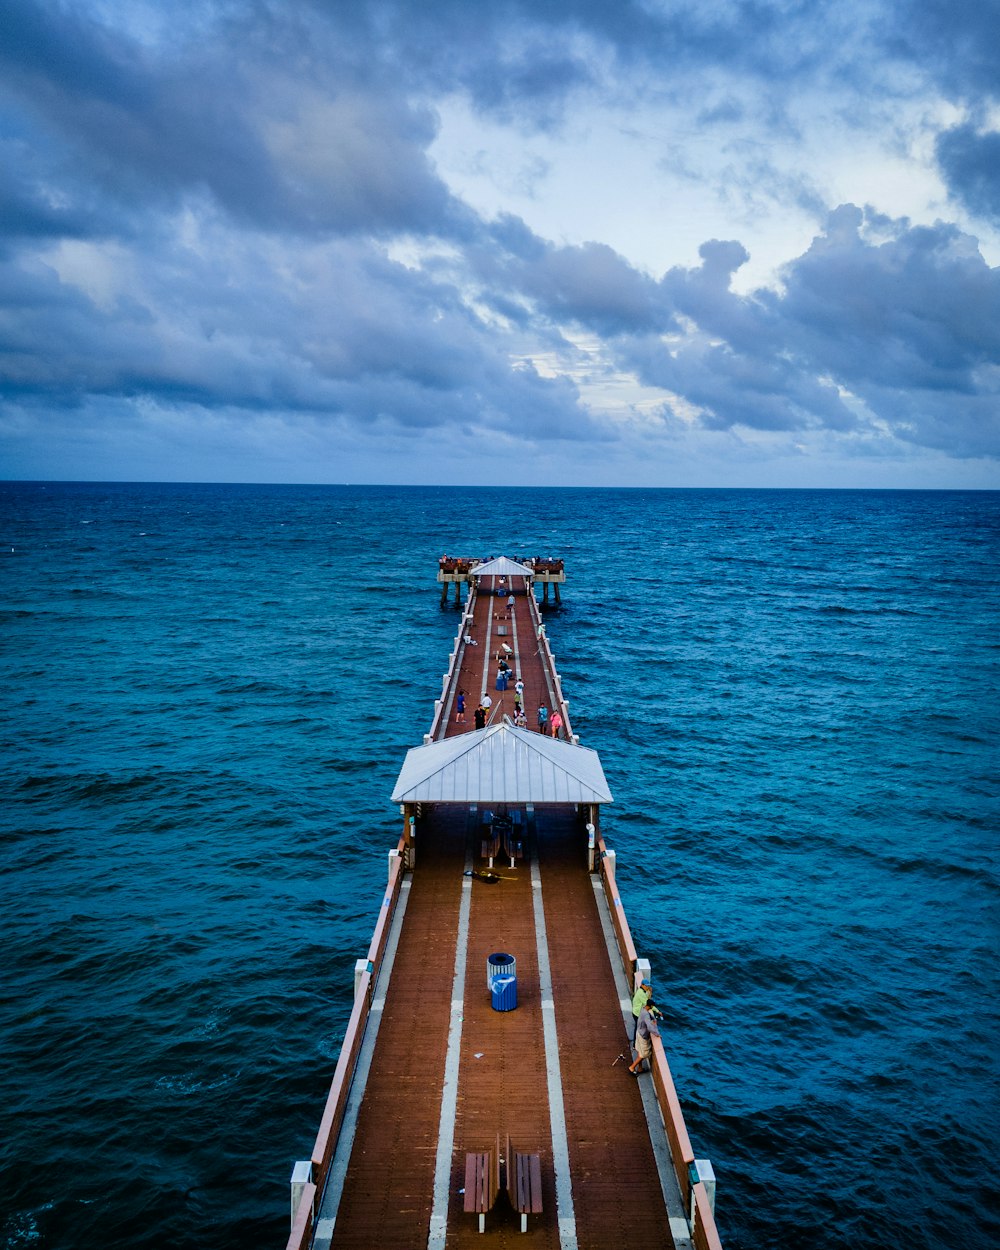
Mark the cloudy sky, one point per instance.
(607, 242)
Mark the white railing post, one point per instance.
(301, 1177)
(706, 1173)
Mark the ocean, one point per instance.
(208, 693)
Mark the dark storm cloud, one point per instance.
(200, 216)
(970, 163)
(881, 325)
(593, 286)
(348, 334)
(532, 52)
(277, 128)
(956, 42)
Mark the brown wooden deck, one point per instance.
(503, 1066)
(480, 662)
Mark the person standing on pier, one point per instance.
(639, 999)
(460, 707)
(543, 718)
(646, 1030)
(555, 722)
(479, 716)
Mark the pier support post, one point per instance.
(301, 1177)
(555, 587)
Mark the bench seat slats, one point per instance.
(524, 1183)
(482, 1182)
(529, 1183)
(477, 1182)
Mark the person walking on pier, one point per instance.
(555, 722)
(646, 1030)
(460, 708)
(543, 718)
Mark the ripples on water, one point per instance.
(210, 691)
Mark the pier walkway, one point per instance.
(440, 1073)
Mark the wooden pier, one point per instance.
(439, 1076)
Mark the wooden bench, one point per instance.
(524, 1183)
(482, 1182)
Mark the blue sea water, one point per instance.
(208, 694)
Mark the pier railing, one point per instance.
(311, 1192)
(704, 1235)
(454, 664)
(548, 660)
(559, 700)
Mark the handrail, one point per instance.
(626, 947)
(705, 1236)
(454, 665)
(380, 936)
(333, 1112)
(673, 1118)
(548, 660)
(336, 1102)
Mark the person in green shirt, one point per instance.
(640, 998)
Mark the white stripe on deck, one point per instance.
(557, 1111)
(449, 1091)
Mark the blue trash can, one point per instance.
(504, 991)
(499, 964)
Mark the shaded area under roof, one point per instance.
(501, 764)
(502, 566)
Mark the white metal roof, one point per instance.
(502, 566)
(501, 764)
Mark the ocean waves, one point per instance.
(210, 692)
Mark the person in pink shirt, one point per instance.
(555, 723)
